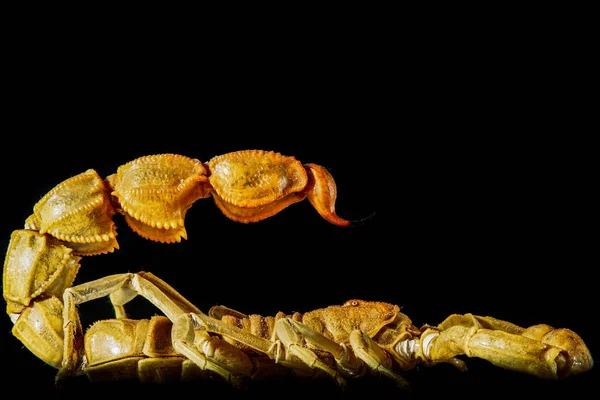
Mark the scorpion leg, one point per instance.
(292, 340)
(218, 312)
(375, 357)
(73, 334)
(539, 350)
(345, 358)
(203, 321)
(119, 298)
(232, 362)
(352, 360)
(125, 287)
(125, 294)
(286, 342)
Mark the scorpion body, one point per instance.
(153, 194)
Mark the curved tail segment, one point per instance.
(153, 193)
(322, 193)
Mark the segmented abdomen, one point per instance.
(125, 349)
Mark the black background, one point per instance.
(470, 154)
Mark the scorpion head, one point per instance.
(375, 319)
(368, 316)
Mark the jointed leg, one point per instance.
(292, 341)
(125, 294)
(230, 362)
(123, 288)
(273, 349)
(375, 357)
(73, 334)
(288, 342)
(363, 350)
(344, 357)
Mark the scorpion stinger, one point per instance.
(249, 186)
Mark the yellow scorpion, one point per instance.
(153, 193)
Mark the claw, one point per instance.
(576, 358)
(539, 350)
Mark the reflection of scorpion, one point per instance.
(154, 193)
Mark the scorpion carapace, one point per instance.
(153, 193)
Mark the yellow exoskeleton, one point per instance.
(153, 193)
